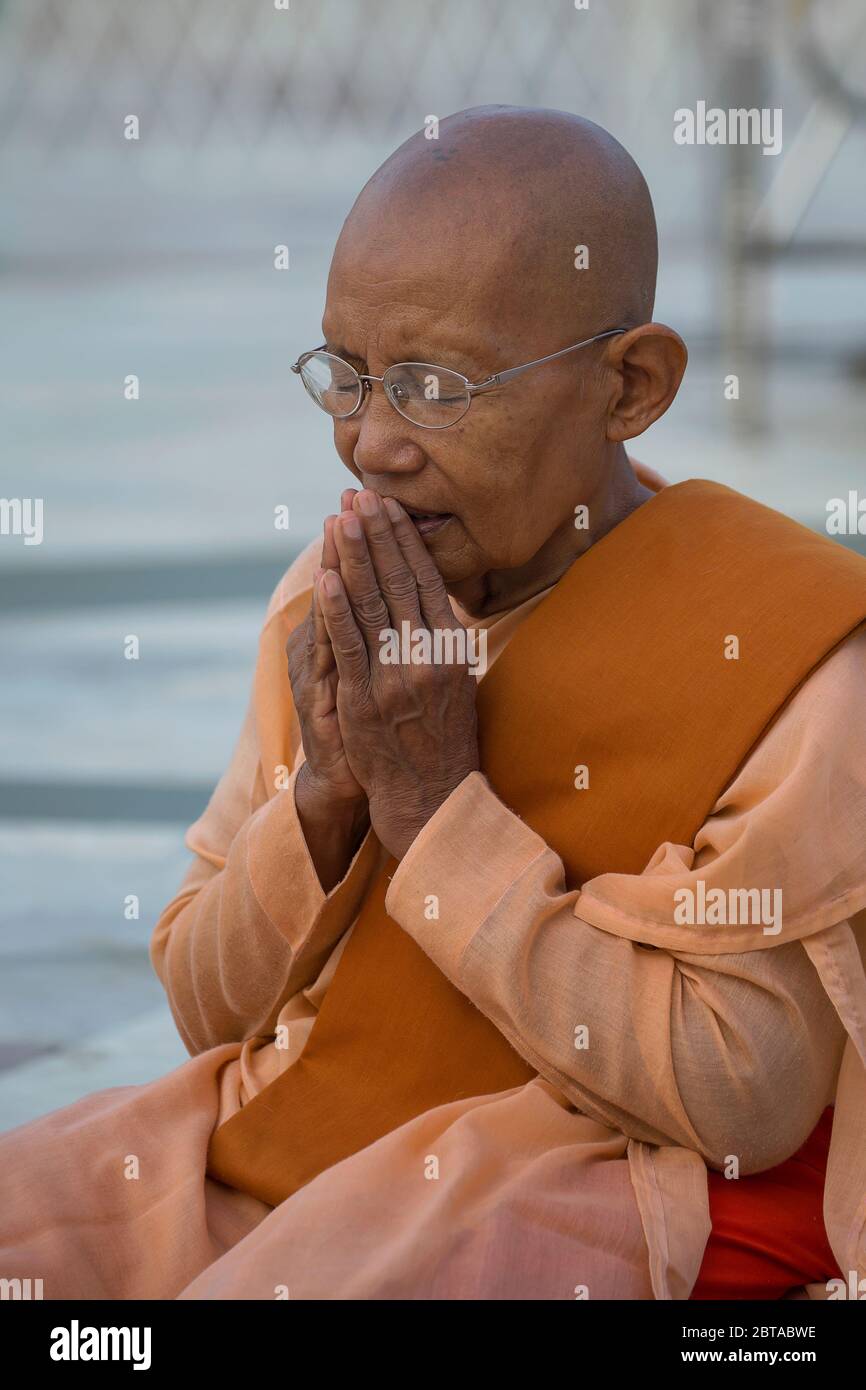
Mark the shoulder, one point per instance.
(827, 714)
(819, 732)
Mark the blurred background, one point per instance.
(155, 257)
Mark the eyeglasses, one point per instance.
(428, 396)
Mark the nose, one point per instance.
(381, 442)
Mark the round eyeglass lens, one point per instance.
(332, 383)
(430, 396)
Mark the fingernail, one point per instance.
(351, 526)
(331, 583)
(368, 502)
(392, 507)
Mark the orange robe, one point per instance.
(589, 1180)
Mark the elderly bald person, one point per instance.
(536, 981)
(493, 490)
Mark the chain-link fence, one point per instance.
(246, 74)
(297, 101)
(271, 92)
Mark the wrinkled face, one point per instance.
(508, 475)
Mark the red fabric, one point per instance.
(768, 1231)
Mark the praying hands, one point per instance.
(391, 740)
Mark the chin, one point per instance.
(458, 569)
(454, 556)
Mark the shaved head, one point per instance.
(512, 192)
(514, 234)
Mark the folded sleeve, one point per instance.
(250, 924)
(732, 1054)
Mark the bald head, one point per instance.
(466, 252)
(505, 195)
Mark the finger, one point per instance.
(330, 558)
(396, 580)
(359, 577)
(432, 594)
(347, 497)
(350, 649)
(322, 653)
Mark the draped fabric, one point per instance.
(590, 1178)
(659, 717)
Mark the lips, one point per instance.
(427, 522)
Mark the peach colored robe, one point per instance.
(588, 1181)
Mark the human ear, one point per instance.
(648, 365)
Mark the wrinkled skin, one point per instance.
(460, 252)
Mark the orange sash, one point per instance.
(622, 668)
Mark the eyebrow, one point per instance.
(338, 350)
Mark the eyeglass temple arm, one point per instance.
(489, 382)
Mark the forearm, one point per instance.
(724, 1055)
(239, 940)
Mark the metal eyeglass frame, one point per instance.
(472, 388)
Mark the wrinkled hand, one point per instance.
(325, 781)
(409, 731)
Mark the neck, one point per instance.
(617, 496)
